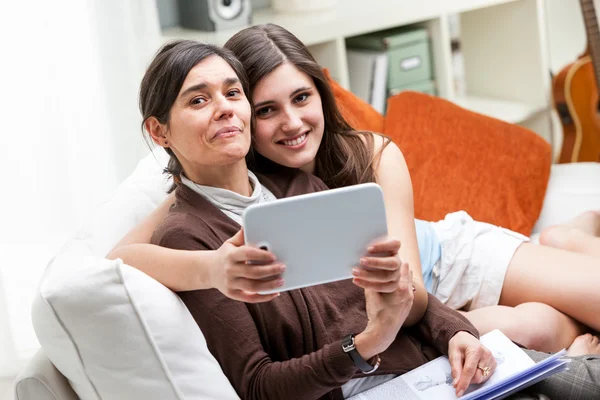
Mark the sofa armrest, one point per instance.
(572, 189)
(40, 380)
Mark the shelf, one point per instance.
(349, 18)
(470, 5)
(315, 27)
(513, 112)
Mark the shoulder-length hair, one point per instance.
(164, 78)
(345, 156)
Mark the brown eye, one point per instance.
(264, 111)
(301, 97)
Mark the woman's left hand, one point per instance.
(471, 361)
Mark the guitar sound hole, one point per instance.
(564, 114)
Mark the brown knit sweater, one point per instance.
(290, 348)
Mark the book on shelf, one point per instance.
(515, 371)
(368, 70)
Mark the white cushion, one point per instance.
(133, 200)
(40, 380)
(113, 331)
(572, 189)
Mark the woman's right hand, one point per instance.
(241, 271)
(386, 313)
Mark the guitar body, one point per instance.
(576, 97)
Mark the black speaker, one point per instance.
(214, 15)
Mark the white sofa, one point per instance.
(135, 357)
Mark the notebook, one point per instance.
(515, 371)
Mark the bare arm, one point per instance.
(176, 269)
(393, 177)
(184, 270)
(179, 270)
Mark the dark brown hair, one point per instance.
(165, 76)
(344, 157)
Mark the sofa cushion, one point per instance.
(460, 160)
(133, 200)
(40, 380)
(113, 331)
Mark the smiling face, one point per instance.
(209, 122)
(289, 118)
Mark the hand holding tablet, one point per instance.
(320, 236)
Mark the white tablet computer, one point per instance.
(320, 236)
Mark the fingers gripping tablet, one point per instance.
(318, 236)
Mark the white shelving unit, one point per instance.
(504, 45)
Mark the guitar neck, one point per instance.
(593, 35)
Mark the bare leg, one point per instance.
(571, 239)
(536, 326)
(588, 222)
(584, 345)
(564, 280)
(581, 234)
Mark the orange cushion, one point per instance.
(461, 160)
(357, 112)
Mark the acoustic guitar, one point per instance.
(575, 91)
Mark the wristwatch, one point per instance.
(367, 367)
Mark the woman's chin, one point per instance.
(233, 155)
(299, 160)
(296, 162)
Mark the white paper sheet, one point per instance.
(433, 380)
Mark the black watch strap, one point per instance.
(361, 363)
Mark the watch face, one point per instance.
(227, 9)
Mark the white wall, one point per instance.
(566, 32)
(122, 72)
(6, 344)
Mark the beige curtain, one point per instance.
(69, 76)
